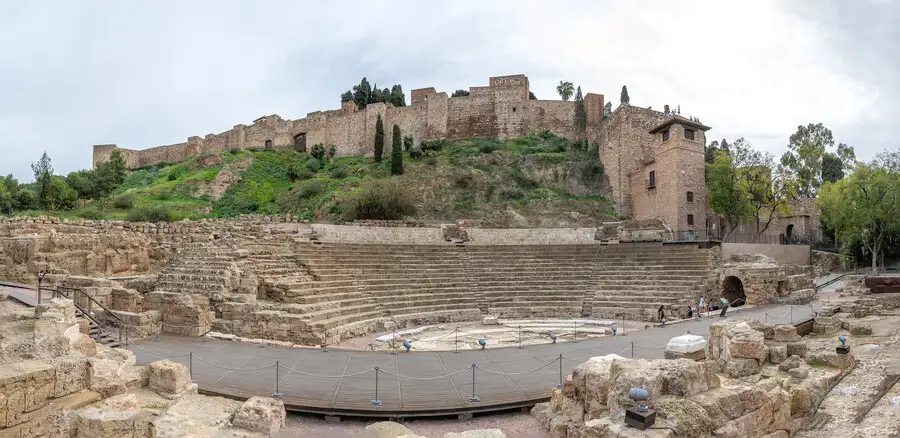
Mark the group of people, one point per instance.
(703, 306)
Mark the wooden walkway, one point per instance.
(342, 382)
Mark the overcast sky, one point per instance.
(142, 73)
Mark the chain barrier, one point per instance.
(158, 354)
(423, 378)
(233, 369)
(499, 373)
(294, 371)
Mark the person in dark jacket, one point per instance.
(661, 313)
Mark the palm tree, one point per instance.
(565, 89)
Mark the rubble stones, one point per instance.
(791, 363)
(490, 320)
(786, 333)
(860, 329)
(777, 354)
(797, 349)
(169, 379)
(261, 414)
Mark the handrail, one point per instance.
(63, 290)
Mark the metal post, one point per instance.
(767, 318)
(623, 324)
(376, 401)
(40, 279)
(473, 398)
(325, 340)
(560, 385)
(156, 338)
(191, 366)
(277, 393)
(456, 341)
(520, 336)
(632, 350)
(576, 332)
(792, 314)
(394, 341)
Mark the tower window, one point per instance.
(690, 196)
(652, 183)
(690, 220)
(514, 109)
(666, 135)
(689, 134)
(268, 144)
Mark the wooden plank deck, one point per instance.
(342, 382)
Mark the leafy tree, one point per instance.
(58, 195)
(84, 182)
(362, 93)
(726, 195)
(397, 97)
(43, 177)
(109, 174)
(347, 97)
(531, 96)
(805, 157)
(396, 152)
(864, 208)
(407, 143)
(565, 89)
(6, 200)
(769, 190)
(711, 150)
(607, 110)
(24, 199)
(832, 168)
(317, 151)
(459, 93)
(580, 114)
(379, 139)
(623, 98)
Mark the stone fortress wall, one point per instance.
(500, 110)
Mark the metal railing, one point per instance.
(86, 305)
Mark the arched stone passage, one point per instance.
(733, 291)
(789, 232)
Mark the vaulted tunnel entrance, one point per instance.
(733, 291)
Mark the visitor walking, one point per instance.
(724, 306)
(700, 307)
(661, 313)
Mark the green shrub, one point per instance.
(407, 143)
(313, 164)
(310, 189)
(432, 145)
(431, 160)
(91, 214)
(415, 153)
(523, 180)
(150, 214)
(234, 151)
(338, 172)
(161, 193)
(379, 199)
(317, 151)
(295, 171)
(332, 151)
(512, 193)
(172, 176)
(123, 202)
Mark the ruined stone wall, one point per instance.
(500, 110)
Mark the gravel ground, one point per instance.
(514, 425)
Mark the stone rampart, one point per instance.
(501, 110)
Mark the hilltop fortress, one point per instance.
(653, 160)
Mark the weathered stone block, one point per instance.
(260, 414)
(797, 348)
(385, 429)
(490, 320)
(786, 333)
(791, 363)
(27, 386)
(72, 374)
(169, 378)
(777, 354)
(860, 329)
(741, 367)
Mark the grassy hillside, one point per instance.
(536, 180)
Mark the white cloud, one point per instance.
(142, 74)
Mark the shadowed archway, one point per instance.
(733, 291)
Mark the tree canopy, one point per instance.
(744, 185)
(580, 113)
(808, 155)
(864, 207)
(623, 97)
(363, 94)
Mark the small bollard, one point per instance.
(191, 366)
(520, 336)
(575, 328)
(376, 401)
(156, 338)
(456, 341)
(632, 350)
(792, 314)
(277, 393)
(325, 341)
(474, 398)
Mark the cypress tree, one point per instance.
(624, 97)
(396, 152)
(580, 114)
(379, 139)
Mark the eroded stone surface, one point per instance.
(261, 414)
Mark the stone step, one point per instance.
(185, 277)
(331, 313)
(425, 310)
(374, 316)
